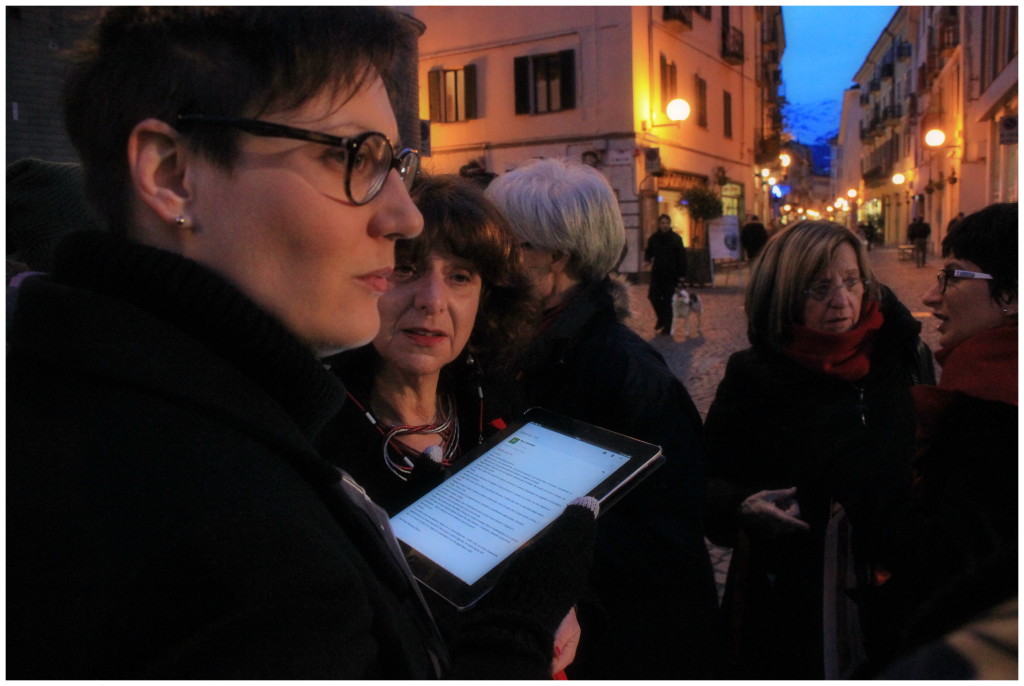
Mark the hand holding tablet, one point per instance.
(459, 537)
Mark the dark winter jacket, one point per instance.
(167, 515)
(651, 584)
(667, 256)
(776, 424)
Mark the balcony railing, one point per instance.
(892, 114)
(732, 46)
(768, 149)
(874, 85)
(679, 17)
(904, 51)
(888, 70)
(949, 36)
(865, 99)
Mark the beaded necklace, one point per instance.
(398, 456)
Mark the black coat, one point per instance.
(776, 424)
(653, 609)
(167, 514)
(667, 256)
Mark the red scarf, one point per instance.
(983, 366)
(845, 355)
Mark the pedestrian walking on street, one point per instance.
(809, 440)
(667, 256)
(168, 514)
(918, 234)
(753, 236)
(651, 607)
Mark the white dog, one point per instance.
(684, 304)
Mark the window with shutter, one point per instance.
(452, 94)
(545, 83)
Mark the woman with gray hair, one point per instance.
(653, 609)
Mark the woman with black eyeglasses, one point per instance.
(809, 443)
(958, 559)
(168, 514)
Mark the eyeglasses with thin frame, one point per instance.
(948, 273)
(368, 157)
(825, 291)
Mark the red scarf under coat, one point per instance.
(984, 366)
(845, 355)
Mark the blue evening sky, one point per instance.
(825, 46)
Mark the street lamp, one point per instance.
(898, 178)
(677, 110)
(935, 138)
(852, 193)
(785, 159)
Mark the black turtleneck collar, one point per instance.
(210, 309)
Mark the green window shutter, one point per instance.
(434, 88)
(470, 74)
(567, 62)
(522, 78)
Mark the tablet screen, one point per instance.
(490, 508)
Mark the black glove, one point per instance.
(549, 576)
(510, 633)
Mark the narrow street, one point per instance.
(699, 361)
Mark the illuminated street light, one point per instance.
(678, 110)
(935, 138)
(829, 209)
(787, 208)
(784, 159)
(898, 178)
(852, 193)
(771, 181)
(765, 173)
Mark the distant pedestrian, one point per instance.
(753, 236)
(870, 233)
(667, 256)
(918, 234)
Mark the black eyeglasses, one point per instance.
(825, 291)
(948, 273)
(368, 157)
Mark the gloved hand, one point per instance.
(769, 514)
(549, 576)
(510, 634)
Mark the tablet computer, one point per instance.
(460, 536)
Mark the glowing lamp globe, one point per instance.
(935, 137)
(898, 178)
(678, 110)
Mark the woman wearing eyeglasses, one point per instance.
(811, 429)
(168, 515)
(958, 557)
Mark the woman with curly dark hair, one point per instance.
(430, 386)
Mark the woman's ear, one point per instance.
(559, 261)
(157, 161)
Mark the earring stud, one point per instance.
(180, 220)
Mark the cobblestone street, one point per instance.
(699, 360)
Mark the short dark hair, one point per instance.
(664, 216)
(459, 220)
(159, 62)
(988, 238)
